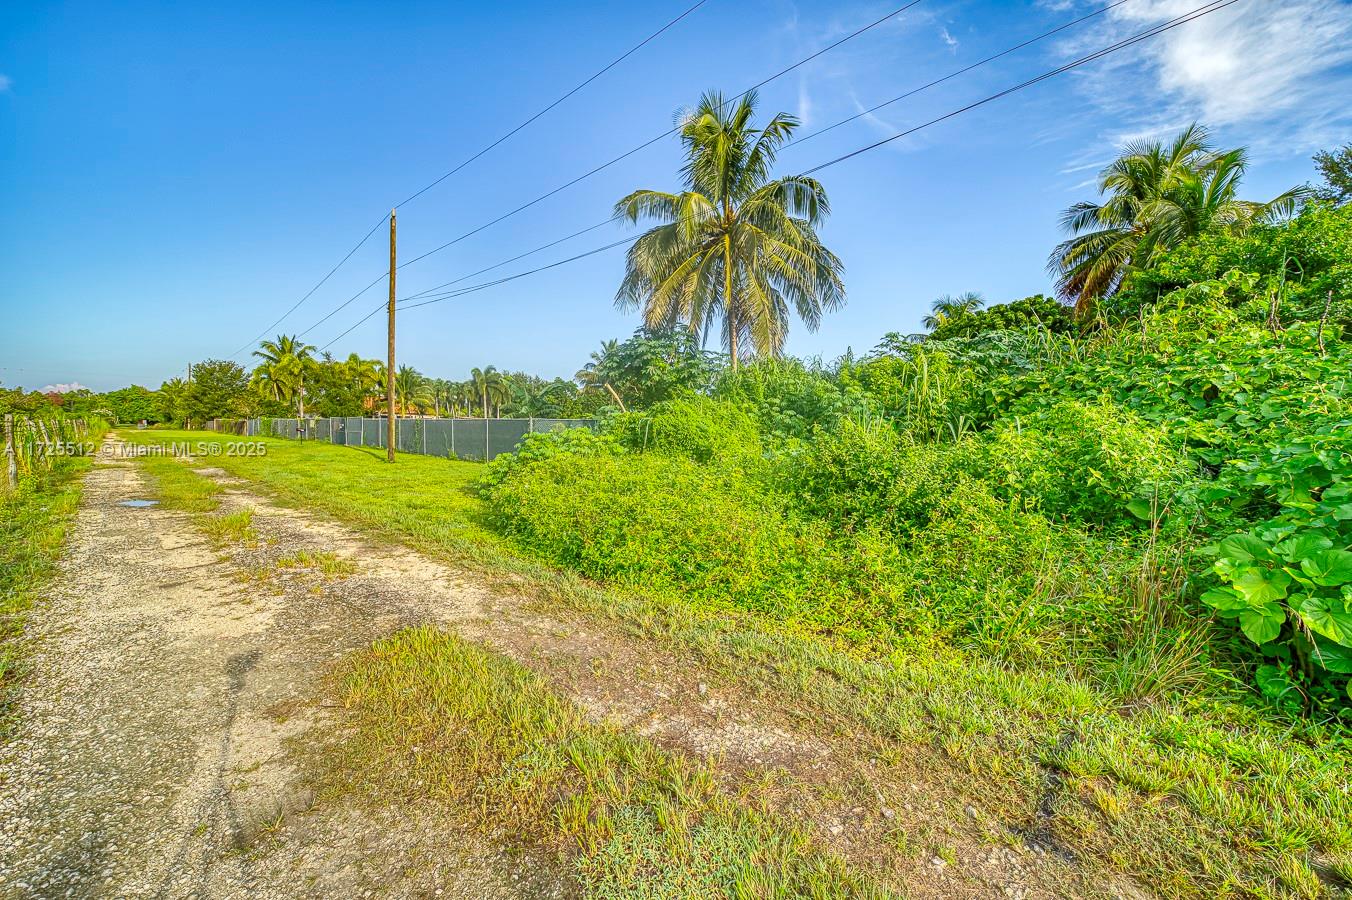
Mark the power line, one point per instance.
(1112, 48)
(345, 303)
(595, 75)
(308, 293)
(797, 141)
(612, 64)
(628, 153)
(1147, 34)
(483, 287)
(781, 73)
(951, 75)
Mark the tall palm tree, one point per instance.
(948, 308)
(364, 374)
(489, 387)
(281, 374)
(734, 245)
(587, 375)
(463, 396)
(1158, 195)
(410, 389)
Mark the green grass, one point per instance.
(328, 564)
(34, 522)
(178, 487)
(1196, 797)
(435, 715)
(230, 528)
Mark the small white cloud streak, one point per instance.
(1277, 73)
(951, 41)
(64, 388)
(5, 84)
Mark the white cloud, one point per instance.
(1283, 66)
(951, 41)
(5, 84)
(1247, 61)
(804, 102)
(64, 388)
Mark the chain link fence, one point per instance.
(476, 439)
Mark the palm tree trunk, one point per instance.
(727, 298)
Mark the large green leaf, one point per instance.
(1329, 567)
(1331, 656)
(1224, 599)
(1326, 616)
(1262, 623)
(1301, 546)
(1260, 586)
(1245, 548)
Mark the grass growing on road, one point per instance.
(435, 715)
(34, 522)
(1191, 797)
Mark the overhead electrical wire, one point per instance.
(1147, 34)
(670, 131)
(796, 141)
(780, 74)
(595, 75)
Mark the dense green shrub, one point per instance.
(1287, 582)
(1301, 261)
(1037, 311)
(789, 399)
(1008, 583)
(978, 572)
(1082, 461)
(866, 474)
(543, 445)
(1223, 389)
(694, 426)
(667, 523)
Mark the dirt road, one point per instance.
(173, 681)
(152, 757)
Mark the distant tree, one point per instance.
(537, 398)
(1037, 311)
(735, 245)
(1335, 167)
(947, 308)
(173, 401)
(217, 390)
(132, 404)
(1158, 195)
(281, 375)
(652, 366)
(490, 387)
(411, 390)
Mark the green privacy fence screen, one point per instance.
(478, 439)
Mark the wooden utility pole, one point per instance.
(390, 430)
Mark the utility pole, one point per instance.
(390, 432)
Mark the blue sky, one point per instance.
(173, 176)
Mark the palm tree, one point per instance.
(734, 244)
(542, 399)
(364, 374)
(463, 395)
(489, 386)
(410, 389)
(587, 375)
(282, 372)
(1158, 195)
(947, 308)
